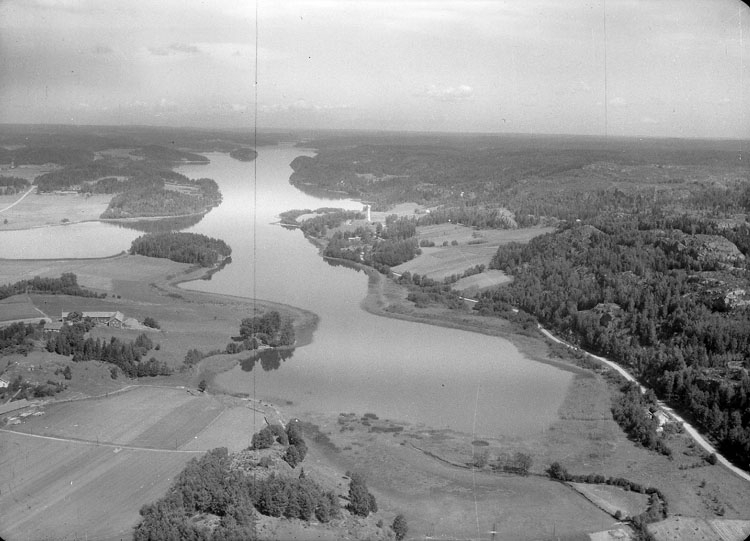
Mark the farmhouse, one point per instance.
(110, 319)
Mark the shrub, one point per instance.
(361, 502)
(280, 434)
(151, 322)
(558, 472)
(399, 527)
(291, 456)
(263, 439)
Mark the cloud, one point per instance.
(300, 106)
(175, 48)
(449, 93)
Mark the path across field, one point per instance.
(19, 199)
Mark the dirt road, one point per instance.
(690, 429)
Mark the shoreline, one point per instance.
(113, 221)
(375, 303)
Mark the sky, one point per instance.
(675, 68)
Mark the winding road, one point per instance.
(690, 429)
(19, 199)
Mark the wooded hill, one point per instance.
(668, 305)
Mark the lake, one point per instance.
(358, 362)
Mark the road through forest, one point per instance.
(690, 429)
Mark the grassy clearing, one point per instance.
(442, 261)
(612, 499)
(477, 282)
(438, 499)
(696, 529)
(18, 307)
(37, 210)
(232, 429)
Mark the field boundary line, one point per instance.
(100, 444)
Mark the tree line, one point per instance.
(66, 284)
(12, 185)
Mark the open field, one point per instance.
(27, 172)
(157, 417)
(442, 261)
(612, 499)
(18, 307)
(143, 287)
(90, 378)
(100, 274)
(695, 529)
(38, 210)
(83, 460)
(62, 490)
(477, 282)
(446, 501)
(223, 430)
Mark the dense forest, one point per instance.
(536, 177)
(125, 356)
(669, 305)
(182, 247)
(165, 154)
(12, 185)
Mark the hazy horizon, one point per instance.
(629, 68)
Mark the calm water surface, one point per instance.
(357, 362)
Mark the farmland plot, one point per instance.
(18, 307)
(61, 472)
(62, 490)
(121, 418)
